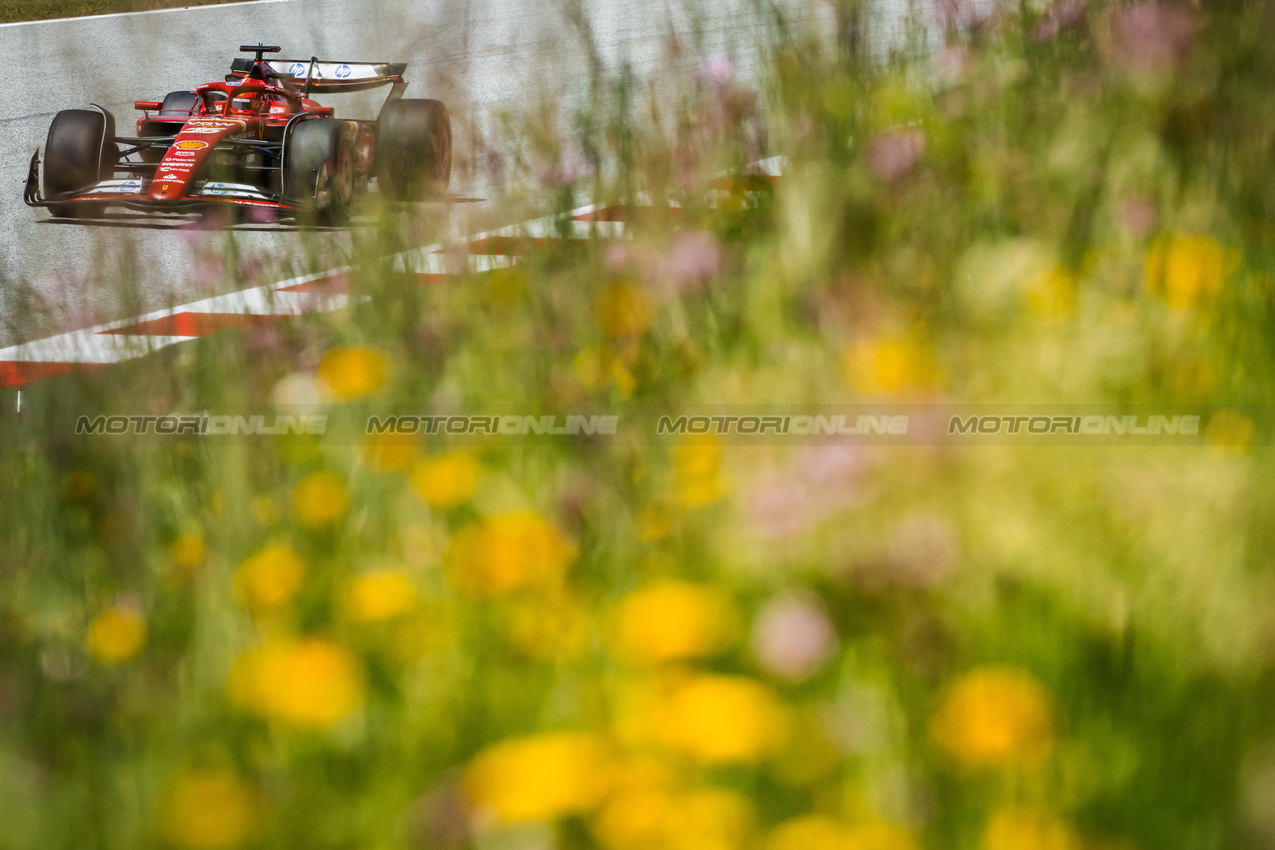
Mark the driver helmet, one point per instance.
(245, 103)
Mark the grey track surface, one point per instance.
(478, 55)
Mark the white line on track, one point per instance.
(113, 343)
(144, 12)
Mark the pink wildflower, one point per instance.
(793, 637)
(894, 153)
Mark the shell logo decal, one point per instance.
(191, 145)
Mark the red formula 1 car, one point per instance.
(255, 140)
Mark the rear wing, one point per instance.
(337, 77)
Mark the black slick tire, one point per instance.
(79, 151)
(414, 150)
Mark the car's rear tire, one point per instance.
(413, 150)
(79, 150)
(320, 167)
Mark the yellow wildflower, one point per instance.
(507, 552)
(353, 371)
(637, 809)
(447, 481)
(1052, 294)
(378, 595)
(309, 683)
(878, 835)
(655, 816)
(623, 378)
(1026, 829)
(269, 578)
(320, 499)
(1186, 269)
(208, 810)
(389, 452)
(883, 366)
(596, 369)
(994, 715)
(116, 635)
(624, 310)
(708, 819)
(592, 368)
(188, 550)
(718, 719)
(672, 620)
(812, 832)
(816, 832)
(637, 818)
(697, 470)
(1229, 429)
(539, 778)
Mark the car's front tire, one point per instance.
(413, 150)
(79, 150)
(320, 167)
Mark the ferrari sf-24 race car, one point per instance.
(255, 140)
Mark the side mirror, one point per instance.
(147, 105)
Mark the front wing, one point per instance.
(131, 193)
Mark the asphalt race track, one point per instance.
(477, 55)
